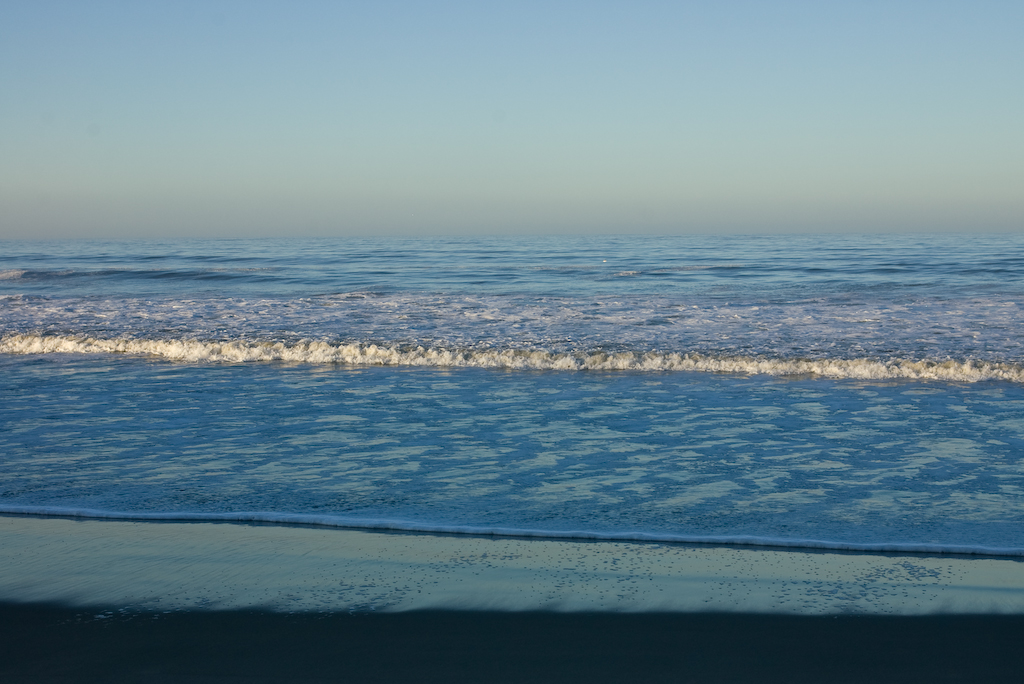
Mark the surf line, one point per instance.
(364, 354)
(382, 525)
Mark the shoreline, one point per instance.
(157, 566)
(394, 526)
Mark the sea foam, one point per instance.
(321, 352)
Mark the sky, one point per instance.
(238, 119)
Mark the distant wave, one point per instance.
(471, 530)
(314, 352)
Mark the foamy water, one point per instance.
(838, 392)
(519, 359)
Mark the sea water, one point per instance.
(844, 392)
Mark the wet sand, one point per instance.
(201, 602)
(169, 566)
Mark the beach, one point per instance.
(511, 342)
(48, 644)
(512, 460)
(161, 566)
(86, 600)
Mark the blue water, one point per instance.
(838, 391)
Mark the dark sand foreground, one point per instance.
(109, 601)
(50, 644)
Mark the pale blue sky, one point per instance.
(156, 119)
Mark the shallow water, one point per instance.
(839, 392)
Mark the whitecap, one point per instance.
(320, 352)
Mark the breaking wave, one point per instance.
(318, 352)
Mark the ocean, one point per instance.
(843, 392)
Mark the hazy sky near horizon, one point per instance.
(164, 119)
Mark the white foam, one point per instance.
(11, 274)
(471, 530)
(317, 352)
(976, 328)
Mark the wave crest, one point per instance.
(318, 352)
